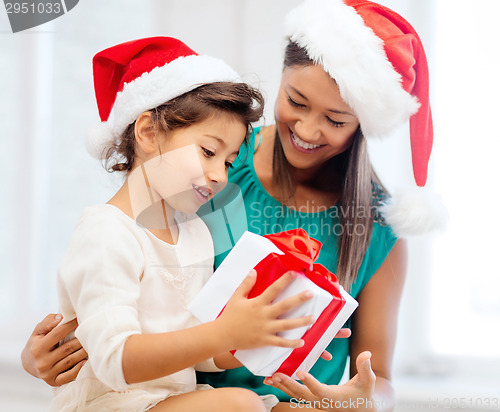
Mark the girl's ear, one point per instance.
(146, 134)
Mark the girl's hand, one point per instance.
(43, 358)
(252, 323)
(357, 394)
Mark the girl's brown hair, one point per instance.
(240, 100)
(353, 180)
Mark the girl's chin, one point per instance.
(188, 209)
(186, 206)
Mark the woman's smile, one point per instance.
(303, 146)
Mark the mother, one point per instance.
(352, 70)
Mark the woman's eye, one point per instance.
(334, 123)
(294, 103)
(229, 165)
(208, 153)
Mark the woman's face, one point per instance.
(313, 122)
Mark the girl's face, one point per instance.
(313, 122)
(194, 161)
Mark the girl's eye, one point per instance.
(334, 123)
(208, 153)
(229, 165)
(294, 103)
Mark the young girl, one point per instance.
(174, 122)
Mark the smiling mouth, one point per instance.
(302, 144)
(202, 192)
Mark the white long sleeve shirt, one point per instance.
(118, 279)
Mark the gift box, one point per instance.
(272, 256)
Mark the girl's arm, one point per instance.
(244, 324)
(227, 361)
(374, 328)
(99, 280)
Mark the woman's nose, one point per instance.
(307, 128)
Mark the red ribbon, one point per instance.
(300, 253)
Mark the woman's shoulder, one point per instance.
(264, 138)
(258, 142)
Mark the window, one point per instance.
(466, 283)
(450, 315)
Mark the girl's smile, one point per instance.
(202, 193)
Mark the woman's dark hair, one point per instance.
(352, 177)
(240, 100)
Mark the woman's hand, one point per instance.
(355, 395)
(252, 323)
(374, 328)
(43, 358)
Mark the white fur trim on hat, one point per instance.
(154, 88)
(99, 138)
(336, 37)
(415, 211)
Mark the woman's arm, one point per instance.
(375, 324)
(374, 329)
(43, 358)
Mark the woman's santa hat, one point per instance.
(139, 75)
(378, 62)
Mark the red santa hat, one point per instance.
(378, 62)
(139, 75)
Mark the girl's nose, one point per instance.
(217, 177)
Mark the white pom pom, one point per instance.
(98, 139)
(415, 211)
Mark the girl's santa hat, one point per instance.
(139, 75)
(378, 62)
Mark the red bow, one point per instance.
(300, 253)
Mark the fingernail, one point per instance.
(301, 343)
(277, 379)
(308, 294)
(301, 375)
(58, 317)
(268, 381)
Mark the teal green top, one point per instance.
(245, 205)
